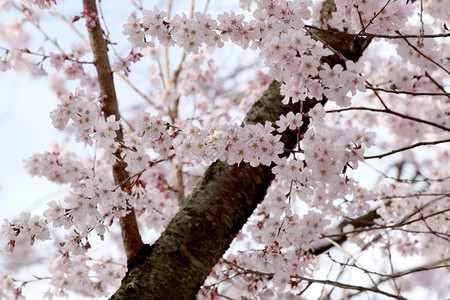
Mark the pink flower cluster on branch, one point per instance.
(252, 144)
(286, 48)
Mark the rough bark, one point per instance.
(130, 232)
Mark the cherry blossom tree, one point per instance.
(271, 207)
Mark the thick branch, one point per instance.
(130, 232)
(177, 264)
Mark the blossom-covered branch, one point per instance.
(218, 207)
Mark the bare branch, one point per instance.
(407, 148)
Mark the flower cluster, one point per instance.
(27, 228)
(325, 157)
(291, 54)
(373, 17)
(82, 276)
(425, 59)
(151, 133)
(197, 80)
(8, 289)
(123, 64)
(91, 18)
(91, 206)
(252, 144)
(290, 121)
(56, 167)
(88, 122)
(82, 113)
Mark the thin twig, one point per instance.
(316, 37)
(436, 83)
(70, 24)
(407, 148)
(378, 95)
(426, 267)
(392, 113)
(371, 20)
(348, 253)
(44, 56)
(408, 93)
(423, 54)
